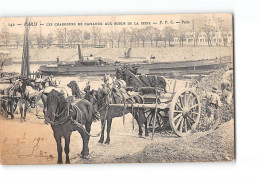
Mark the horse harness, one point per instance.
(68, 118)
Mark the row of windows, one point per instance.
(228, 35)
(203, 40)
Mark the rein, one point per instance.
(66, 118)
(76, 122)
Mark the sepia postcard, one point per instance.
(117, 89)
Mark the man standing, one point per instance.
(58, 60)
(212, 106)
(227, 86)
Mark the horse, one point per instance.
(101, 98)
(8, 102)
(47, 90)
(24, 99)
(108, 112)
(66, 118)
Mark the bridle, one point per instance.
(59, 114)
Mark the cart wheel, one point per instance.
(161, 122)
(184, 113)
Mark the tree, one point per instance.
(118, 38)
(86, 35)
(74, 36)
(196, 31)
(39, 39)
(49, 39)
(32, 38)
(111, 36)
(5, 36)
(131, 37)
(153, 34)
(99, 38)
(169, 34)
(136, 36)
(95, 31)
(224, 34)
(142, 35)
(209, 33)
(124, 35)
(18, 39)
(60, 36)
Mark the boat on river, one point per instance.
(93, 66)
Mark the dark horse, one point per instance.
(108, 112)
(66, 118)
(101, 99)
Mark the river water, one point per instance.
(95, 81)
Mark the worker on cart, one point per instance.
(87, 91)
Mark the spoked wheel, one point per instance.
(184, 113)
(161, 122)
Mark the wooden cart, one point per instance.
(165, 101)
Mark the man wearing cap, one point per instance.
(87, 91)
(212, 105)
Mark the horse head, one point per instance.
(16, 87)
(74, 88)
(72, 84)
(56, 103)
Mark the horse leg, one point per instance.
(21, 109)
(140, 128)
(136, 116)
(103, 125)
(109, 123)
(5, 109)
(88, 128)
(25, 110)
(11, 109)
(146, 129)
(84, 136)
(143, 120)
(59, 146)
(67, 148)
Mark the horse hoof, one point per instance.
(67, 161)
(140, 135)
(107, 142)
(147, 134)
(100, 141)
(59, 162)
(84, 156)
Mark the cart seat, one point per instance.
(153, 81)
